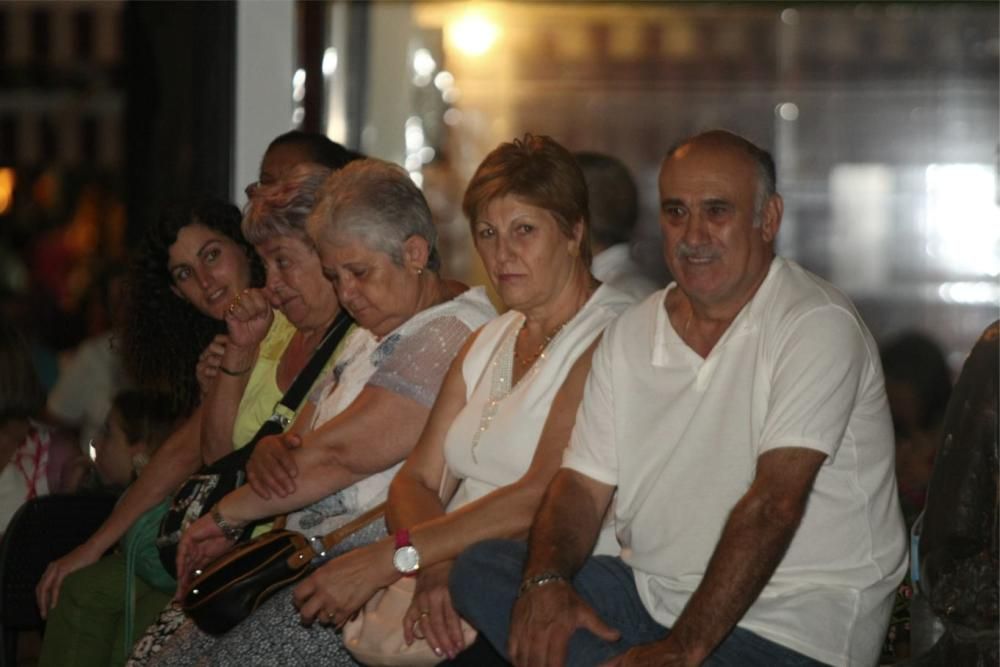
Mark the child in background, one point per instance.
(85, 629)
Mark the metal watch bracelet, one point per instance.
(540, 580)
(230, 531)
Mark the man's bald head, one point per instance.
(767, 179)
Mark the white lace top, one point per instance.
(412, 362)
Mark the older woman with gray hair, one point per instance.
(376, 241)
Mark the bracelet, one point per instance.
(231, 531)
(540, 580)
(235, 374)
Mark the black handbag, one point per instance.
(230, 588)
(210, 484)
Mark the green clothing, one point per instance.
(86, 628)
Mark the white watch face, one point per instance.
(406, 559)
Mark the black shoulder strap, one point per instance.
(307, 376)
(303, 382)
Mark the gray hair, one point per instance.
(282, 208)
(767, 179)
(377, 203)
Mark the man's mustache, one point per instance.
(703, 251)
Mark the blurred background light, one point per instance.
(330, 61)
(970, 293)
(788, 111)
(8, 179)
(423, 62)
(473, 34)
(963, 220)
(299, 85)
(790, 16)
(444, 80)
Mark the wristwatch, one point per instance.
(406, 560)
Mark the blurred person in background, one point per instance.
(93, 375)
(35, 459)
(296, 147)
(918, 384)
(614, 212)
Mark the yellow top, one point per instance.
(262, 392)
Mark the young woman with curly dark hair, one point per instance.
(184, 275)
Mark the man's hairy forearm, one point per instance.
(565, 528)
(753, 542)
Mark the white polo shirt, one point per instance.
(680, 435)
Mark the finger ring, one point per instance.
(413, 628)
(424, 612)
(330, 616)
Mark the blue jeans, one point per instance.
(484, 583)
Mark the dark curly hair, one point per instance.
(160, 335)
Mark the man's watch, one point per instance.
(406, 560)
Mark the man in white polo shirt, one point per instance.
(741, 416)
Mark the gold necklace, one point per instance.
(526, 361)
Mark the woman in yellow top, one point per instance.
(272, 331)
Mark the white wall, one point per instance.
(265, 51)
(389, 87)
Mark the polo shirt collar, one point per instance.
(666, 340)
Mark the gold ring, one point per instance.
(330, 616)
(413, 628)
